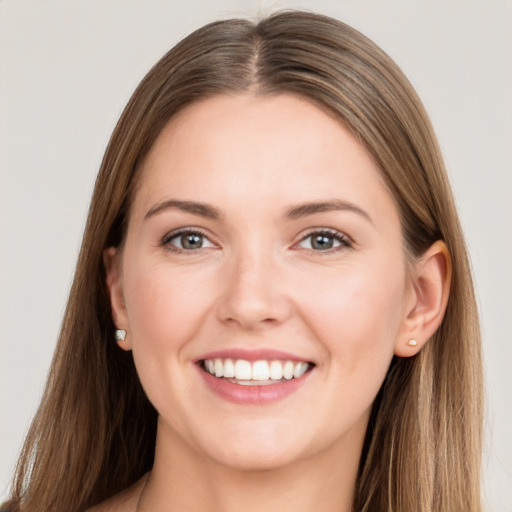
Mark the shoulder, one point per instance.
(125, 501)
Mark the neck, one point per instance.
(181, 480)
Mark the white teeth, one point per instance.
(299, 369)
(219, 367)
(229, 368)
(243, 370)
(276, 370)
(262, 372)
(288, 370)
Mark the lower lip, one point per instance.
(252, 395)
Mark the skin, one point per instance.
(257, 282)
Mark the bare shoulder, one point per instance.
(125, 501)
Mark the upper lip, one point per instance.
(251, 355)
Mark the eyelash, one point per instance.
(166, 240)
(344, 241)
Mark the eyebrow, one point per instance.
(305, 209)
(200, 209)
(296, 212)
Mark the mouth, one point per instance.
(255, 373)
(256, 377)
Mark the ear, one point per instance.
(112, 263)
(427, 298)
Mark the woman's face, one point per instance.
(262, 241)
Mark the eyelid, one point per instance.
(165, 240)
(346, 241)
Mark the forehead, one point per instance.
(273, 149)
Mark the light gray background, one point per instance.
(68, 68)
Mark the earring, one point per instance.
(412, 343)
(120, 335)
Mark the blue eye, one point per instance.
(324, 241)
(187, 240)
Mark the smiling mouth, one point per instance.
(255, 373)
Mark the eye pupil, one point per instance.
(322, 242)
(191, 241)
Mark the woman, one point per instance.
(273, 243)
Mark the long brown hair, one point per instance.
(94, 432)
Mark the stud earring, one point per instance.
(412, 343)
(120, 335)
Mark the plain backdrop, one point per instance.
(67, 68)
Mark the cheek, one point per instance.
(355, 313)
(166, 306)
(355, 321)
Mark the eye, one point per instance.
(325, 240)
(186, 240)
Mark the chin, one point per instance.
(256, 459)
(258, 449)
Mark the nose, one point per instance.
(254, 294)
